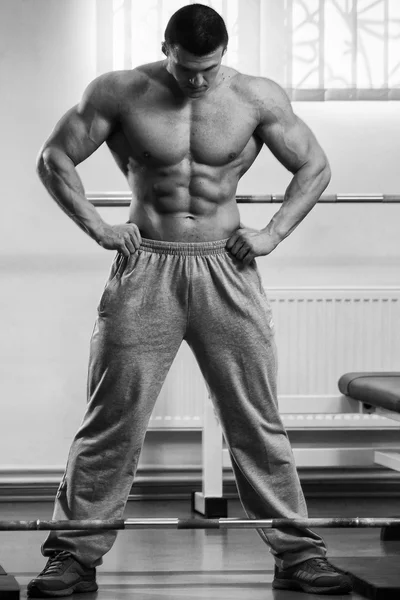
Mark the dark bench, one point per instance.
(378, 392)
(381, 390)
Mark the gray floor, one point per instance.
(167, 564)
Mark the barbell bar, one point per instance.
(191, 523)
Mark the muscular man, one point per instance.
(183, 131)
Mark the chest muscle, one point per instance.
(208, 133)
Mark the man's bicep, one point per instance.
(290, 140)
(80, 132)
(88, 124)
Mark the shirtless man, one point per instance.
(183, 131)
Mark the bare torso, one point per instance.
(183, 158)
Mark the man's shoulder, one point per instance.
(137, 80)
(116, 82)
(261, 91)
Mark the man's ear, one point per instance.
(164, 48)
(225, 49)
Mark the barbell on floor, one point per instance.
(192, 523)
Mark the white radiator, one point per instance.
(321, 333)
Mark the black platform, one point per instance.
(212, 508)
(9, 588)
(374, 577)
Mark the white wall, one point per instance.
(52, 274)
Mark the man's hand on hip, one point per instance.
(125, 238)
(247, 243)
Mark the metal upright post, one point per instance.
(210, 502)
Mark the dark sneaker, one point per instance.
(62, 576)
(314, 576)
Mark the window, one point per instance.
(315, 49)
(343, 49)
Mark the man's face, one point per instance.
(194, 75)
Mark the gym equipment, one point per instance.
(379, 393)
(176, 523)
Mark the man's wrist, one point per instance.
(98, 230)
(273, 235)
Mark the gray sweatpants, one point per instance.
(162, 294)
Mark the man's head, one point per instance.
(195, 41)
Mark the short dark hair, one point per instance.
(199, 29)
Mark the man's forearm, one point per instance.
(58, 174)
(301, 195)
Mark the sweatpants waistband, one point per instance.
(184, 248)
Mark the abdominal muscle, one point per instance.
(181, 227)
(177, 213)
